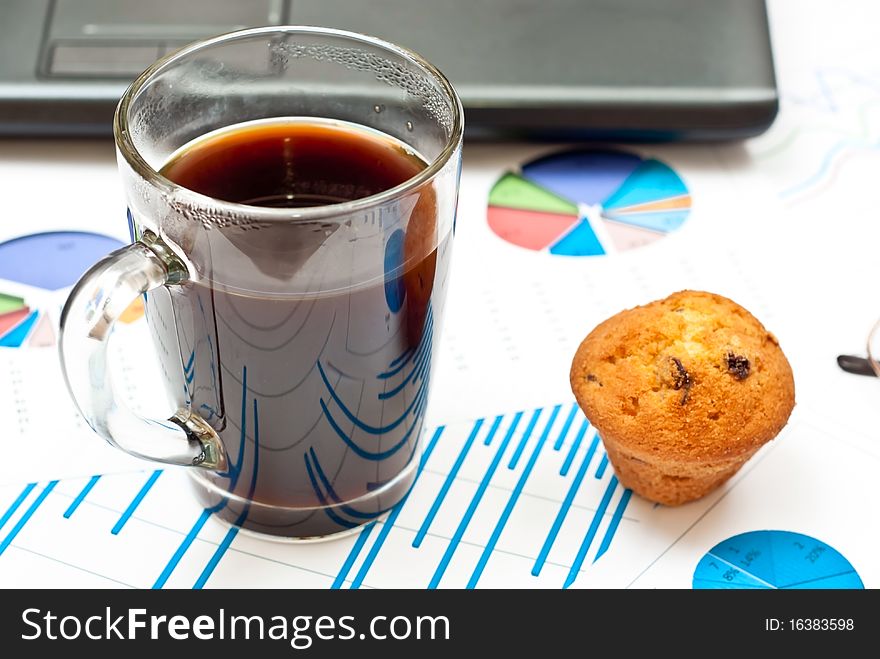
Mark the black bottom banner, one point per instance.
(398, 623)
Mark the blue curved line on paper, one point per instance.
(824, 167)
(373, 430)
(417, 372)
(353, 512)
(415, 445)
(394, 371)
(385, 395)
(406, 353)
(323, 499)
(381, 455)
(423, 371)
(423, 368)
(396, 366)
(424, 349)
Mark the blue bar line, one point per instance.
(494, 429)
(600, 470)
(136, 502)
(565, 428)
(544, 435)
(429, 449)
(615, 522)
(377, 545)
(450, 477)
(525, 438)
(392, 517)
(352, 556)
(26, 516)
(499, 527)
(181, 550)
(574, 448)
(16, 504)
(218, 554)
(475, 501)
(591, 533)
(563, 510)
(82, 495)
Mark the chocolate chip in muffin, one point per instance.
(681, 379)
(738, 366)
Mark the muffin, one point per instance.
(682, 391)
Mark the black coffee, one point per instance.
(319, 398)
(293, 164)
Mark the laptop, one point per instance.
(551, 69)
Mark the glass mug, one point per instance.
(295, 343)
(874, 348)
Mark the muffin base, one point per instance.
(670, 482)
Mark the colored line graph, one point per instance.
(836, 121)
(435, 532)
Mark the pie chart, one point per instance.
(774, 559)
(42, 264)
(588, 202)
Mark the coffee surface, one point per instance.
(293, 164)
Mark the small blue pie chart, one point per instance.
(775, 560)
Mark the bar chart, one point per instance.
(523, 499)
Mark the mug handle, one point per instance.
(873, 344)
(94, 305)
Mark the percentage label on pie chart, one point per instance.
(588, 203)
(775, 559)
